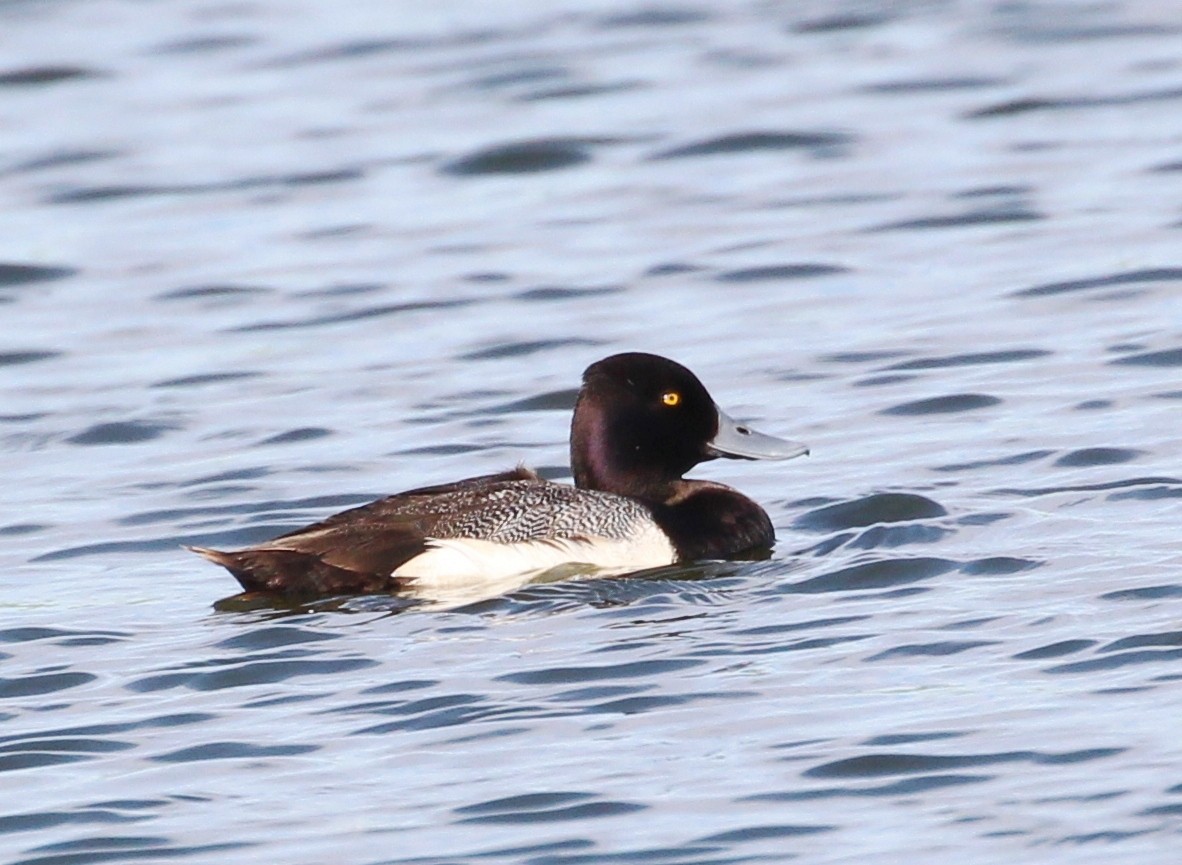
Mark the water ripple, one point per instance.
(971, 359)
(525, 349)
(779, 272)
(53, 752)
(764, 833)
(754, 142)
(1098, 456)
(1166, 358)
(888, 763)
(883, 574)
(17, 358)
(656, 16)
(523, 157)
(120, 433)
(983, 216)
(868, 510)
(232, 751)
(36, 76)
(37, 684)
(595, 674)
(27, 274)
(950, 404)
(379, 311)
(544, 808)
(256, 672)
(103, 194)
(1132, 277)
(120, 848)
(904, 787)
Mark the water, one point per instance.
(263, 261)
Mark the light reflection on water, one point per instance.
(263, 267)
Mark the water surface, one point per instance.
(261, 263)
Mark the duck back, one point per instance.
(509, 522)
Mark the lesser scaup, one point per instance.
(640, 422)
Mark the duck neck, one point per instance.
(607, 464)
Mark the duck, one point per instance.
(640, 422)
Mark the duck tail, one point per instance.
(294, 574)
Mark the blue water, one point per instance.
(260, 262)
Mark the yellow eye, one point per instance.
(671, 398)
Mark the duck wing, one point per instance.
(357, 551)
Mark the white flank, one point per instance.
(463, 561)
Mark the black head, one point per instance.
(642, 421)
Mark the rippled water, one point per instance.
(263, 261)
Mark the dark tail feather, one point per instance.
(293, 574)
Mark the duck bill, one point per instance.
(736, 440)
